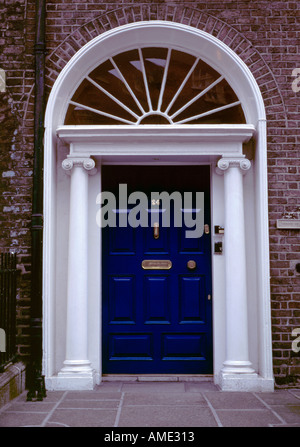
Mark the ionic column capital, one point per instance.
(85, 162)
(239, 162)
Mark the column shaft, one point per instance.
(76, 360)
(237, 353)
(77, 345)
(237, 344)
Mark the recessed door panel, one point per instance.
(130, 347)
(159, 245)
(190, 244)
(192, 300)
(122, 300)
(157, 299)
(122, 242)
(184, 347)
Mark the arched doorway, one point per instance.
(163, 94)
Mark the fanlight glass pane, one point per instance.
(201, 77)
(130, 66)
(218, 96)
(154, 86)
(108, 77)
(155, 60)
(180, 66)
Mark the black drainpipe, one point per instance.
(35, 378)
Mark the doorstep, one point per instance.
(157, 378)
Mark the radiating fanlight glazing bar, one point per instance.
(99, 112)
(209, 112)
(127, 86)
(197, 96)
(112, 97)
(145, 81)
(163, 84)
(182, 85)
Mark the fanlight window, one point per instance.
(154, 86)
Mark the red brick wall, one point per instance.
(265, 34)
(16, 154)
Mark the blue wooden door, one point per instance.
(156, 321)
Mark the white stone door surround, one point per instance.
(72, 243)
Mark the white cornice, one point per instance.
(232, 132)
(150, 139)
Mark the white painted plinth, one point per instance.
(245, 382)
(71, 381)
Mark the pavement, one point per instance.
(155, 404)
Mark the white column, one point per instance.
(237, 361)
(77, 372)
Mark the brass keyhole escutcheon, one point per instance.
(156, 230)
(191, 265)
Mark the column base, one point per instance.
(244, 382)
(237, 367)
(76, 367)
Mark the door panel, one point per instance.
(122, 300)
(122, 241)
(192, 299)
(156, 320)
(130, 347)
(157, 299)
(184, 347)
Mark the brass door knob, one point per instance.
(191, 265)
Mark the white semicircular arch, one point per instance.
(160, 34)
